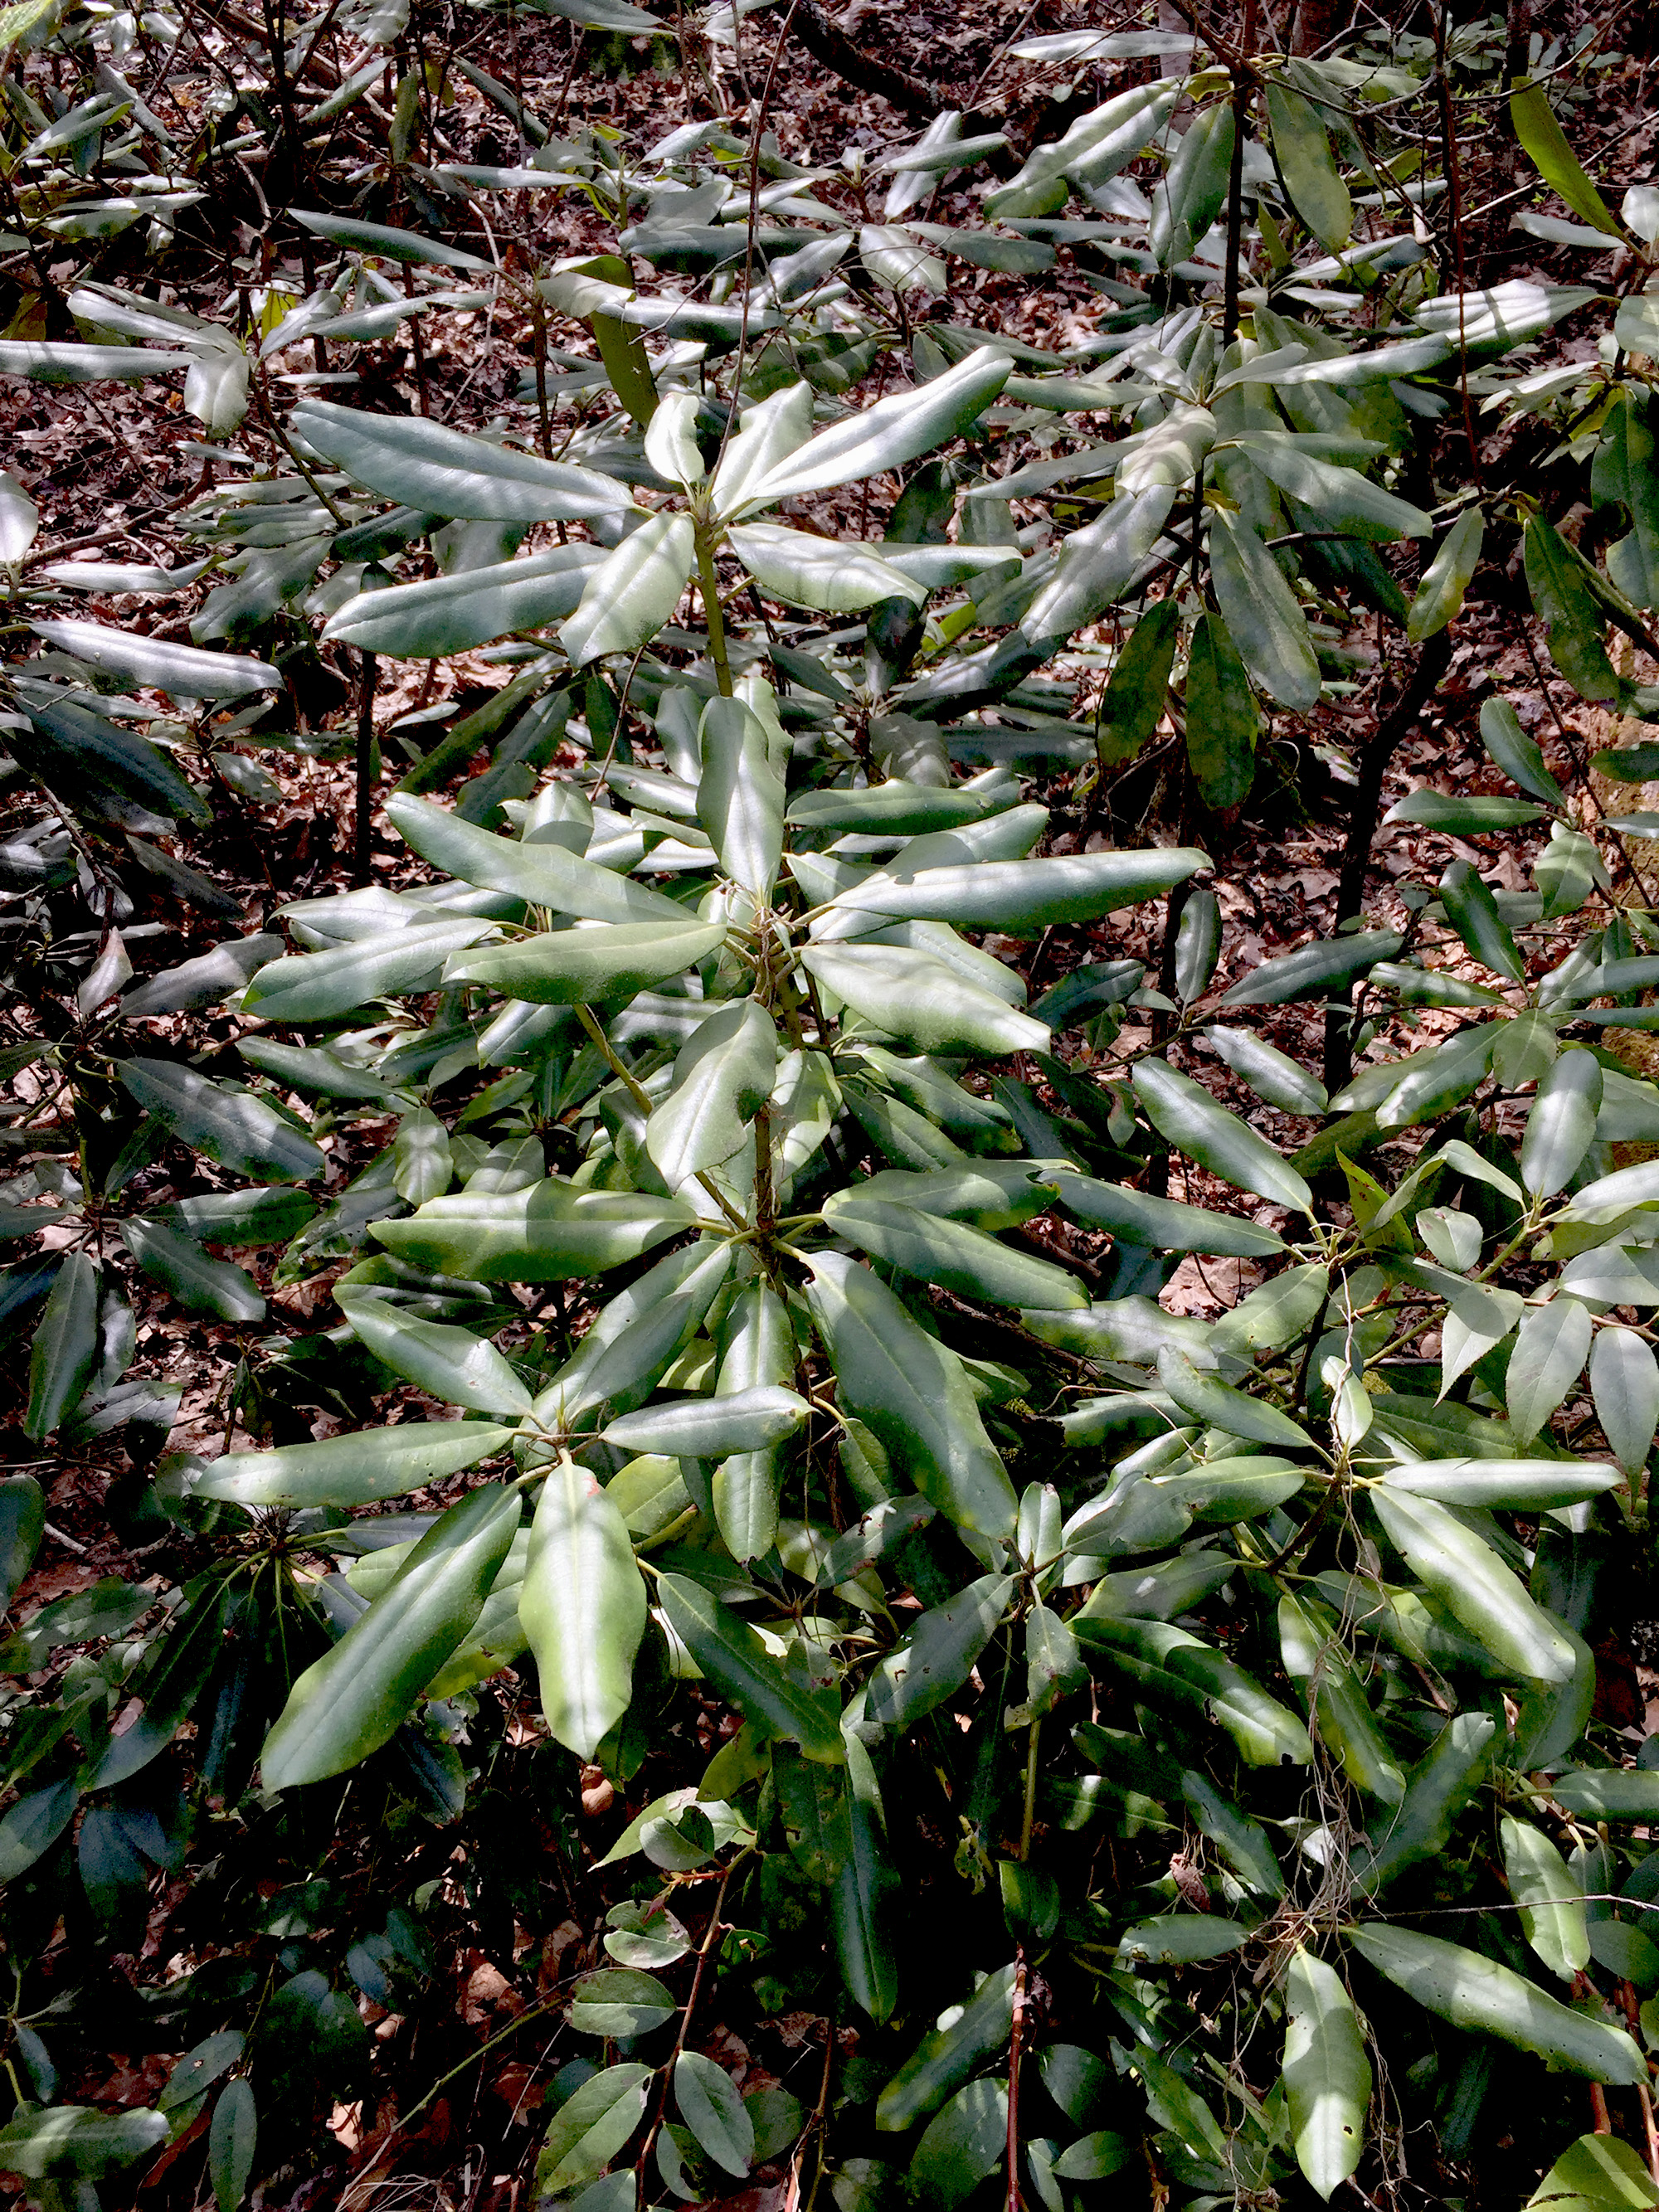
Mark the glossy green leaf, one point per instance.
(633, 592)
(946, 2056)
(913, 1396)
(1222, 722)
(236, 1128)
(590, 2127)
(583, 1608)
(1318, 192)
(1514, 1485)
(866, 1889)
(569, 967)
(1439, 598)
(917, 997)
(183, 669)
(317, 986)
(1520, 757)
(1270, 1073)
(77, 2143)
(542, 875)
(1553, 1916)
(710, 1428)
(1551, 1347)
(961, 2144)
(722, 1077)
(354, 1698)
(452, 614)
(1624, 1380)
(1472, 912)
(932, 1660)
(1598, 2174)
(1183, 1112)
(1263, 616)
(1341, 498)
(1098, 563)
(1440, 1786)
(1614, 1793)
(1177, 1669)
(542, 1233)
(737, 1662)
(1483, 1998)
(444, 471)
(450, 1363)
(1188, 199)
(708, 2102)
(65, 1346)
(803, 571)
(949, 1253)
(231, 2139)
(619, 2004)
(1534, 122)
(893, 431)
(1328, 2076)
(1315, 1655)
(1474, 1584)
(1561, 1123)
(351, 1470)
(200, 1284)
(741, 795)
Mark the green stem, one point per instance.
(708, 585)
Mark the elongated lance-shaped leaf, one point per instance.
(183, 669)
(571, 967)
(934, 1659)
(1024, 897)
(1328, 2076)
(1263, 615)
(1561, 1123)
(890, 433)
(358, 1696)
(351, 1470)
(451, 1363)
(1098, 563)
(317, 986)
(1439, 598)
(542, 875)
(1472, 1584)
(723, 1076)
(1553, 1913)
(452, 614)
(1483, 1998)
(1437, 1789)
(1184, 1113)
(444, 471)
(1234, 1411)
(583, 1608)
(1624, 1380)
(741, 795)
(913, 1396)
(65, 1347)
(737, 1663)
(633, 592)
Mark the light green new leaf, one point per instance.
(1328, 2076)
(583, 1608)
(356, 1696)
(1553, 1915)
(1483, 1998)
(449, 1363)
(633, 592)
(1262, 613)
